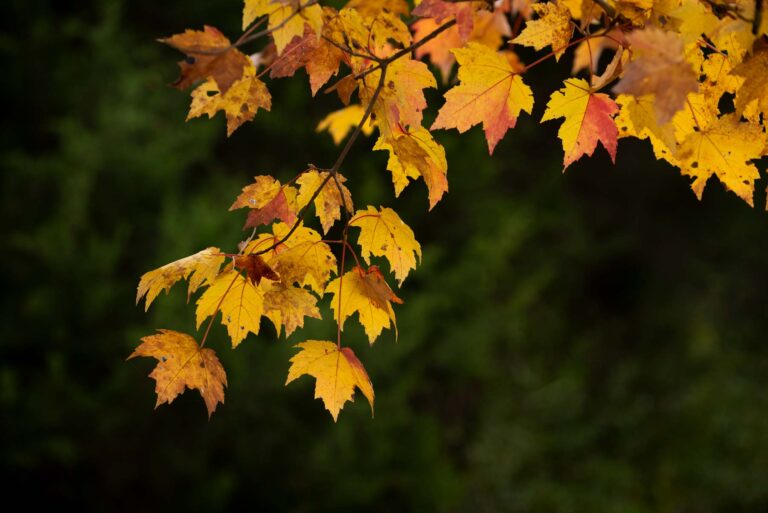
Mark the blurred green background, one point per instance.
(593, 341)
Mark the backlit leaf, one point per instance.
(200, 268)
(182, 364)
(384, 234)
(491, 92)
(337, 372)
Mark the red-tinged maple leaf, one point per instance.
(209, 55)
(320, 58)
(588, 119)
(182, 363)
(277, 208)
(491, 92)
(268, 200)
(440, 10)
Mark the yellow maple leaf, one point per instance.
(286, 18)
(339, 123)
(552, 28)
(658, 67)
(201, 268)
(491, 92)
(383, 233)
(588, 119)
(376, 35)
(412, 154)
(367, 293)
(329, 202)
(337, 372)
(182, 363)
(723, 147)
(287, 306)
(488, 28)
(401, 101)
(637, 118)
(303, 258)
(239, 103)
(717, 69)
(240, 302)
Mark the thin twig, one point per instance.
(332, 171)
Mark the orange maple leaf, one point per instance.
(182, 363)
(209, 54)
(491, 92)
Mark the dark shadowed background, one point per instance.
(593, 341)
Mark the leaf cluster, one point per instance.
(650, 69)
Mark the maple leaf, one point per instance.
(182, 363)
(753, 94)
(553, 28)
(401, 101)
(413, 154)
(339, 123)
(637, 118)
(363, 34)
(255, 268)
(440, 10)
(659, 68)
(337, 372)
(320, 58)
(716, 69)
(723, 148)
(329, 201)
(209, 54)
(489, 29)
(286, 18)
(240, 102)
(200, 268)
(240, 302)
(303, 258)
(367, 293)
(268, 200)
(383, 233)
(588, 119)
(491, 92)
(288, 306)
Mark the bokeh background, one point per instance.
(589, 341)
